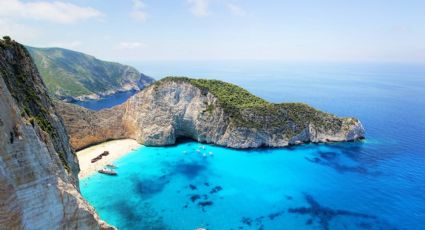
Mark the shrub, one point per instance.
(7, 39)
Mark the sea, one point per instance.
(377, 183)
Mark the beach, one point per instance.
(116, 148)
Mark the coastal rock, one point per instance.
(38, 169)
(207, 111)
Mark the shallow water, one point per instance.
(375, 184)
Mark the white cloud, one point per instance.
(139, 11)
(59, 12)
(131, 45)
(18, 32)
(199, 8)
(235, 9)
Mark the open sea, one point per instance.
(378, 183)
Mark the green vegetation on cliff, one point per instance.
(73, 74)
(248, 110)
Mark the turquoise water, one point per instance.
(375, 184)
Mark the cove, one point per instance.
(192, 185)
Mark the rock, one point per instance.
(38, 169)
(206, 111)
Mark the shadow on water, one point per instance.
(339, 167)
(189, 168)
(324, 215)
(143, 217)
(318, 216)
(150, 186)
(339, 154)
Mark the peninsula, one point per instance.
(207, 111)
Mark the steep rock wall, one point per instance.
(38, 169)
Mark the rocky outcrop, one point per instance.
(207, 111)
(94, 127)
(38, 169)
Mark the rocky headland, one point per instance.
(39, 187)
(207, 111)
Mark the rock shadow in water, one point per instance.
(324, 215)
(150, 186)
(142, 217)
(189, 169)
(202, 200)
(332, 160)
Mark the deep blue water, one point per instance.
(106, 102)
(378, 183)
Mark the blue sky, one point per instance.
(136, 30)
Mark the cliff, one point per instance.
(71, 75)
(208, 111)
(38, 170)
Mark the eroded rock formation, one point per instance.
(38, 169)
(206, 111)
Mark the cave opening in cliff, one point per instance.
(184, 139)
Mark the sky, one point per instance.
(294, 30)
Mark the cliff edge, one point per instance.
(208, 111)
(38, 169)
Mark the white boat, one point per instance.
(108, 172)
(112, 166)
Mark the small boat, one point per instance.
(112, 166)
(108, 172)
(211, 153)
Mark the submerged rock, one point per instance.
(207, 111)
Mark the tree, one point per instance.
(7, 38)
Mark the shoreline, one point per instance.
(116, 148)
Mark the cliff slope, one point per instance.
(208, 111)
(72, 75)
(38, 169)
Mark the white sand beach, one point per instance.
(116, 148)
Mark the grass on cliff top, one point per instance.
(236, 100)
(228, 94)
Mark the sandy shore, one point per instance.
(116, 148)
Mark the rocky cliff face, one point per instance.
(38, 169)
(206, 111)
